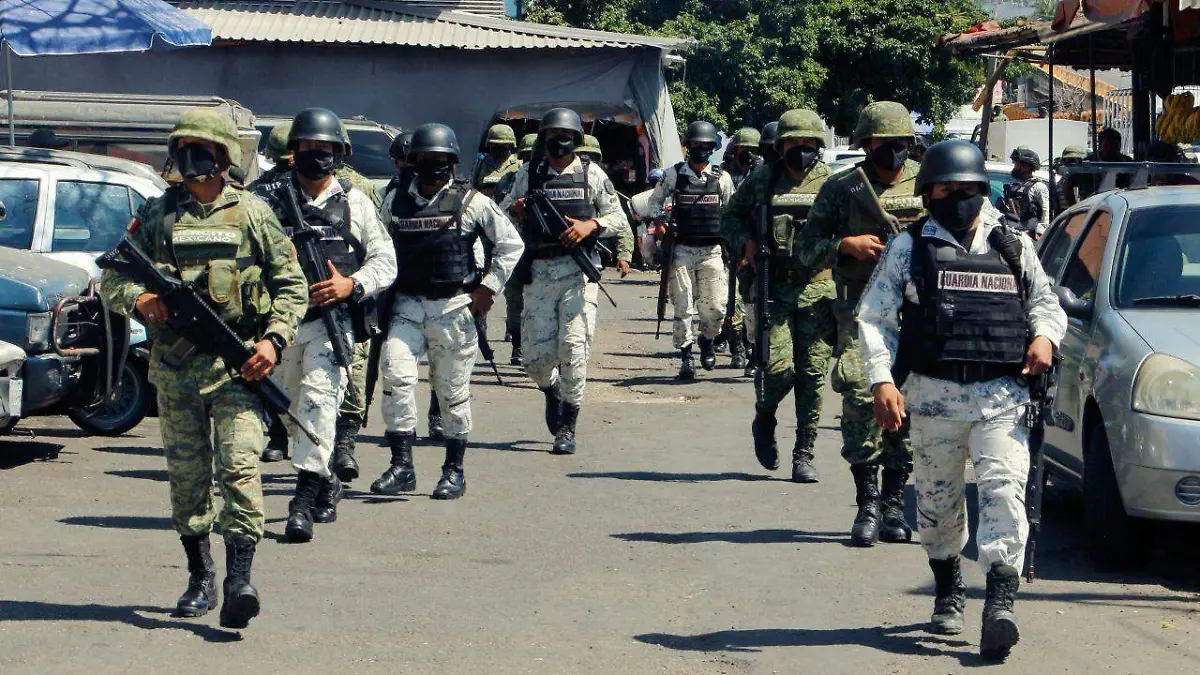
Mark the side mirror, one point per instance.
(1072, 305)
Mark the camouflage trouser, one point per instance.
(514, 303)
(737, 317)
(225, 425)
(354, 403)
(801, 346)
(749, 295)
(420, 328)
(310, 374)
(863, 441)
(557, 327)
(698, 289)
(999, 450)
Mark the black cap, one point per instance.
(316, 124)
(46, 138)
(563, 118)
(700, 132)
(955, 161)
(433, 138)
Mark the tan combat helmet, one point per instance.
(277, 149)
(591, 147)
(501, 134)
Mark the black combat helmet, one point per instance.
(433, 138)
(563, 118)
(766, 140)
(400, 144)
(954, 161)
(700, 132)
(317, 124)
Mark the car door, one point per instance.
(1080, 273)
(24, 194)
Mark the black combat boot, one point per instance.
(865, 531)
(344, 463)
(763, 431)
(400, 476)
(708, 357)
(999, 622)
(201, 593)
(300, 510)
(895, 528)
(241, 598)
(751, 363)
(277, 442)
(803, 470)
(564, 440)
(436, 431)
(328, 496)
(951, 597)
(721, 342)
(516, 348)
(553, 410)
(737, 350)
(454, 482)
(687, 368)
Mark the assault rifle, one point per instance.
(200, 328)
(485, 347)
(1037, 416)
(314, 263)
(762, 295)
(860, 188)
(552, 224)
(664, 279)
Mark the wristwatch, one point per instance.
(277, 341)
(357, 294)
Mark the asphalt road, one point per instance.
(661, 547)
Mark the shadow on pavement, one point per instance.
(668, 378)
(670, 477)
(19, 453)
(142, 450)
(886, 639)
(145, 474)
(121, 522)
(526, 445)
(16, 610)
(734, 537)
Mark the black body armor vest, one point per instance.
(1028, 211)
(436, 258)
(572, 195)
(697, 208)
(970, 324)
(341, 247)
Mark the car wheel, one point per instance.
(123, 411)
(1115, 540)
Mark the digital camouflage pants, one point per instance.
(557, 327)
(801, 341)
(354, 402)
(309, 373)
(698, 290)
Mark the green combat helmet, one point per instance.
(746, 137)
(800, 123)
(1074, 152)
(525, 150)
(591, 146)
(501, 134)
(882, 119)
(208, 125)
(277, 142)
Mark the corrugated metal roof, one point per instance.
(487, 7)
(393, 23)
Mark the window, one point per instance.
(20, 199)
(1160, 257)
(89, 216)
(370, 156)
(1084, 269)
(1059, 243)
(997, 180)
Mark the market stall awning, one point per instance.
(1107, 12)
(1000, 40)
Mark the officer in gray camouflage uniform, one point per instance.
(439, 292)
(559, 320)
(361, 262)
(208, 231)
(962, 376)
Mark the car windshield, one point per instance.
(20, 199)
(997, 181)
(1160, 258)
(370, 153)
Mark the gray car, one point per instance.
(1126, 416)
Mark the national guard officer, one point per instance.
(1026, 201)
(802, 328)
(766, 143)
(559, 318)
(962, 376)
(361, 262)
(698, 282)
(226, 240)
(853, 214)
(500, 161)
(439, 292)
(741, 157)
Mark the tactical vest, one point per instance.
(572, 195)
(436, 259)
(969, 324)
(789, 210)
(488, 184)
(1028, 211)
(898, 200)
(332, 223)
(697, 211)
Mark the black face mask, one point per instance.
(957, 210)
(1021, 175)
(560, 146)
(745, 158)
(890, 156)
(800, 157)
(433, 171)
(315, 164)
(499, 152)
(195, 161)
(700, 154)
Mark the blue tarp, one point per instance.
(44, 27)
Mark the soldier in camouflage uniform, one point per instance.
(499, 162)
(228, 241)
(514, 289)
(802, 329)
(559, 320)
(741, 159)
(841, 233)
(591, 149)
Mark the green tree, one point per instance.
(757, 58)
